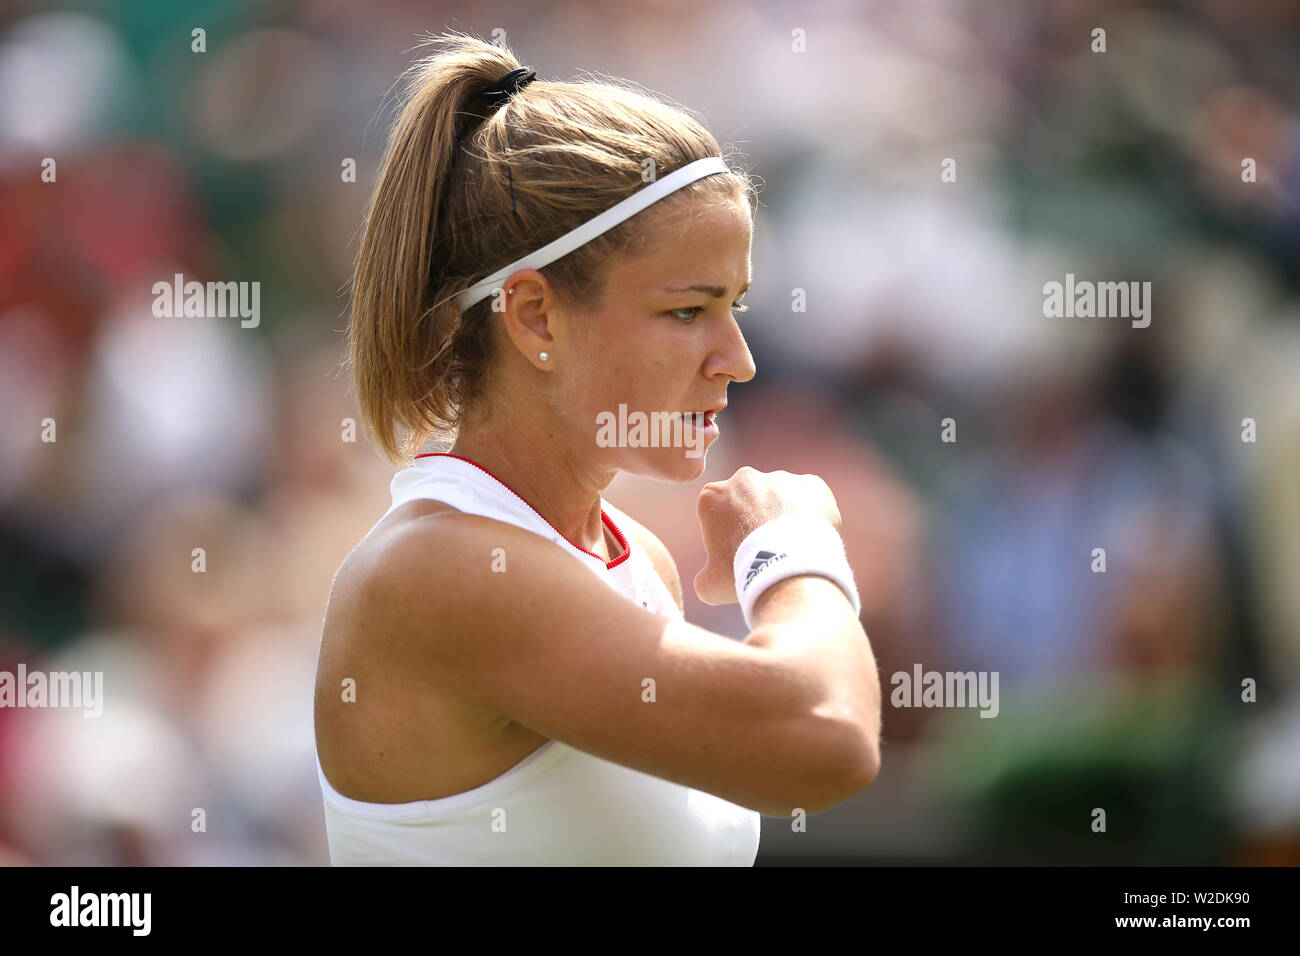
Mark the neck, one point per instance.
(562, 487)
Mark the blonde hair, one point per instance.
(462, 192)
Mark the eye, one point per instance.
(695, 309)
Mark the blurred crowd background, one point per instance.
(1119, 690)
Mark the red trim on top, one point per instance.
(609, 522)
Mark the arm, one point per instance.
(548, 645)
(782, 617)
(810, 620)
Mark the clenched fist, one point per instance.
(729, 510)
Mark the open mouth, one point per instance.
(698, 419)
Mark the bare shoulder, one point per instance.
(659, 555)
(479, 624)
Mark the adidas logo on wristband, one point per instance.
(761, 561)
(786, 547)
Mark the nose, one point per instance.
(731, 356)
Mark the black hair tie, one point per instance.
(508, 86)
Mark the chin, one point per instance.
(667, 464)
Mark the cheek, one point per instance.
(639, 376)
(608, 355)
(628, 362)
(589, 385)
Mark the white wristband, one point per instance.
(787, 546)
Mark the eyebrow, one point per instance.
(716, 291)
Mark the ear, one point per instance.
(532, 308)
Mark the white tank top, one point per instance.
(559, 806)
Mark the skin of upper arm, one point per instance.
(659, 555)
(504, 619)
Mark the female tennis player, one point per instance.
(506, 676)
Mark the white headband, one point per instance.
(593, 227)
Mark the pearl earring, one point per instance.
(543, 356)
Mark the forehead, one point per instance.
(711, 237)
